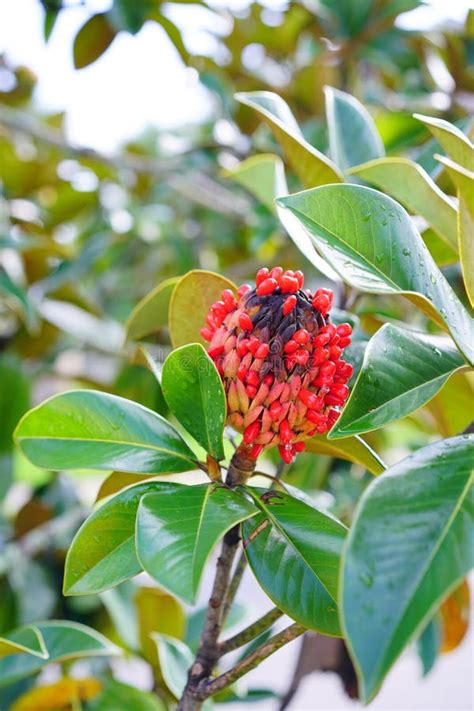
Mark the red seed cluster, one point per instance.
(279, 357)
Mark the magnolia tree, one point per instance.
(274, 362)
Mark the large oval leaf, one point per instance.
(94, 430)
(370, 240)
(63, 641)
(190, 302)
(407, 182)
(193, 390)
(102, 553)
(456, 144)
(409, 545)
(151, 313)
(94, 37)
(310, 165)
(351, 449)
(402, 370)
(177, 530)
(353, 135)
(294, 552)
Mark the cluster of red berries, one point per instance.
(279, 357)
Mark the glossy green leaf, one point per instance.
(409, 545)
(463, 179)
(102, 553)
(93, 430)
(177, 530)
(151, 313)
(94, 37)
(264, 176)
(456, 144)
(120, 697)
(428, 645)
(402, 370)
(175, 660)
(190, 302)
(63, 641)
(353, 136)
(294, 551)
(26, 639)
(193, 390)
(351, 449)
(370, 240)
(408, 183)
(311, 166)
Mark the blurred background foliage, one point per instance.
(84, 236)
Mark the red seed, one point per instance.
(333, 416)
(289, 304)
(344, 329)
(327, 369)
(333, 400)
(335, 352)
(329, 328)
(289, 284)
(256, 451)
(251, 433)
(228, 298)
(339, 390)
(299, 446)
(286, 454)
(326, 292)
(268, 379)
(321, 303)
(251, 390)
(322, 339)
(344, 342)
(262, 351)
(242, 373)
(348, 370)
(244, 289)
(275, 410)
(262, 274)
(302, 336)
(245, 322)
(215, 351)
(315, 417)
(267, 287)
(286, 435)
(242, 348)
(206, 333)
(301, 357)
(276, 273)
(253, 344)
(300, 277)
(322, 428)
(320, 356)
(252, 378)
(308, 398)
(290, 346)
(219, 368)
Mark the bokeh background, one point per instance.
(118, 128)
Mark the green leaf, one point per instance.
(26, 639)
(63, 641)
(428, 645)
(456, 144)
(175, 660)
(409, 546)
(102, 553)
(177, 530)
(294, 551)
(92, 40)
(408, 183)
(50, 17)
(264, 176)
(371, 241)
(402, 370)
(190, 302)
(120, 697)
(193, 390)
(14, 401)
(15, 292)
(151, 313)
(84, 429)
(311, 166)
(353, 136)
(351, 449)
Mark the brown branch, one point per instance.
(209, 688)
(251, 632)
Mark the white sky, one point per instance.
(139, 80)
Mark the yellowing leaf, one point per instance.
(455, 618)
(94, 37)
(151, 313)
(352, 449)
(65, 695)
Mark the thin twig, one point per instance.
(250, 632)
(209, 688)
